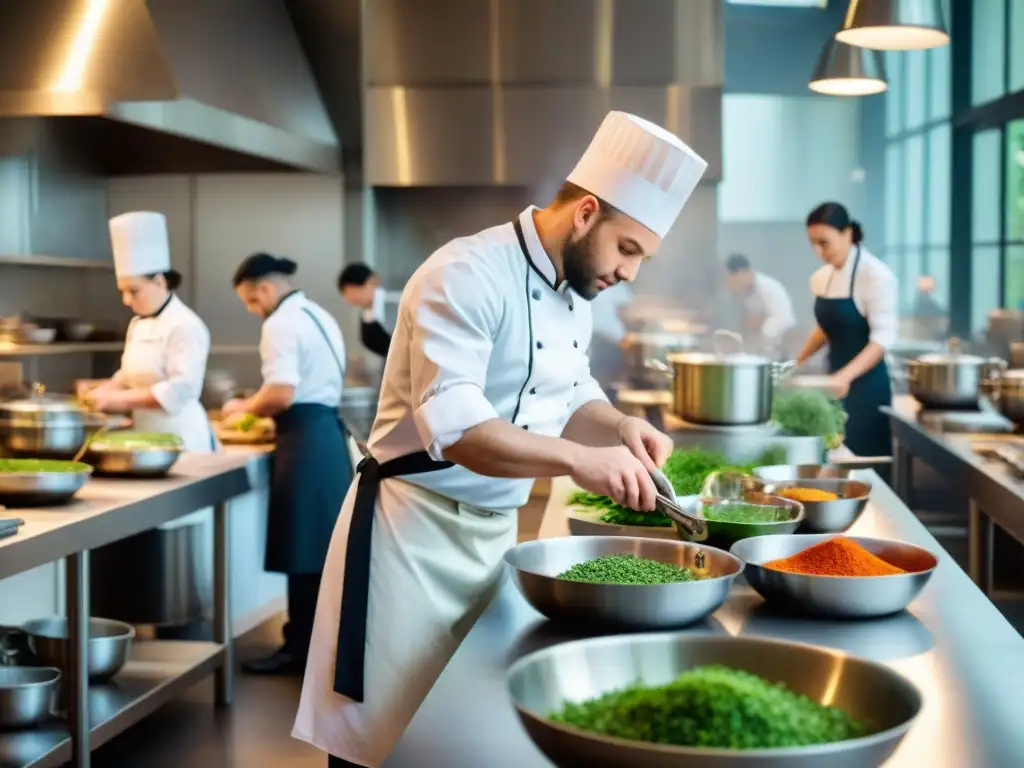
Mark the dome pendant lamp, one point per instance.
(894, 25)
(845, 70)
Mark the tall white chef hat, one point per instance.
(640, 168)
(140, 243)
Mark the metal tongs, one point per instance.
(696, 528)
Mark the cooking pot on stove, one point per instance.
(1005, 390)
(951, 379)
(42, 425)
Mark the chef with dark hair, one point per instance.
(303, 355)
(766, 307)
(857, 313)
(360, 286)
(487, 387)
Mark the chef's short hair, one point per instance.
(262, 266)
(570, 193)
(172, 277)
(355, 274)
(737, 262)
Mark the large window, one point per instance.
(1013, 257)
(918, 160)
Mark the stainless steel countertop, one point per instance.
(989, 482)
(107, 510)
(952, 643)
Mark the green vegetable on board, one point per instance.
(247, 422)
(32, 466)
(687, 469)
(128, 440)
(810, 413)
(627, 569)
(716, 707)
(745, 513)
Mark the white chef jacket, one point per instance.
(295, 351)
(375, 314)
(875, 292)
(483, 332)
(770, 297)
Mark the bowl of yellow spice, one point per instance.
(830, 505)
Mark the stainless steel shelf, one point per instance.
(157, 671)
(66, 262)
(59, 348)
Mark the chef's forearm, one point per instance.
(498, 448)
(866, 360)
(270, 400)
(140, 397)
(814, 342)
(595, 424)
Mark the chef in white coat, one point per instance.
(766, 305)
(487, 387)
(164, 361)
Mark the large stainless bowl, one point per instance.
(852, 597)
(782, 473)
(545, 681)
(724, 535)
(28, 695)
(831, 516)
(634, 606)
(35, 489)
(109, 644)
(132, 462)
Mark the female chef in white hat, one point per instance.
(164, 361)
(487, 386)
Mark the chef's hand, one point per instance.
(645, 442)
(838, 385)
(617, 473)
(105, 399)
(233, 407)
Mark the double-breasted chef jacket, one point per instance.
(302, 347)
(483, 332)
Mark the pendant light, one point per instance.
(846, 70)
(894, 25)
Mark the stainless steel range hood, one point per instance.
(223, 82)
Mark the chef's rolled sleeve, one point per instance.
(587, 390)
(187, 352)
(454, 321)
(881, 306)
(279, 351)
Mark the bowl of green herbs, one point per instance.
(40, 482)
(668, 700)
(732, 519)
(623, 582)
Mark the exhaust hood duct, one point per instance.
(225, 74)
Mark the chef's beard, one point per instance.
(578, 263)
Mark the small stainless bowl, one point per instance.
(831, 516)
(132, 462)
(35, 489)
(631, 606)
(852, 597)
(543, 682)
(109, 644)
(784, 473)
(724, 535)
(28, 695)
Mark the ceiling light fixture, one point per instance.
(846, 70)
(894, 25)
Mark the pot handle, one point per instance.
(991, 374)
(721, 333)
(657, 365)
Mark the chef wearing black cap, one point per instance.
(303, 375)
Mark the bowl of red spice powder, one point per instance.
(852, 577)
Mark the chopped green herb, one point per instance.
(627, 569)
(715, 707)
(29, 466)
(247, 422)
(134, 440)
(745, 513)
(809, 413)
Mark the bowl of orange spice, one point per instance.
(852, 577)
(830, 506)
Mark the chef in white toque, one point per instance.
(487, 387)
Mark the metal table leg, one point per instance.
(981, 540)
(77, 583)
(222, 603)
(902, 471)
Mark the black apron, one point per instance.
(868, 432)
(312, 472)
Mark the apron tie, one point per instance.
(350, 658)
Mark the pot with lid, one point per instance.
(42, 425)
(722, 389)
(1005, 390)
(950, 379)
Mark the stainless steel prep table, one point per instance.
(996, 494)
(953, 643)
(107, 510)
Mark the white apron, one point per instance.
(435, 565)
(142, 365)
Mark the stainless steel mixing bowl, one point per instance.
(34, 489)
(629, 606)
(830, 516)
(544, 681)
(131, 462)
(853, 597)
(781, 473)
(722, 534)
(28, 695)
(109, 644)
